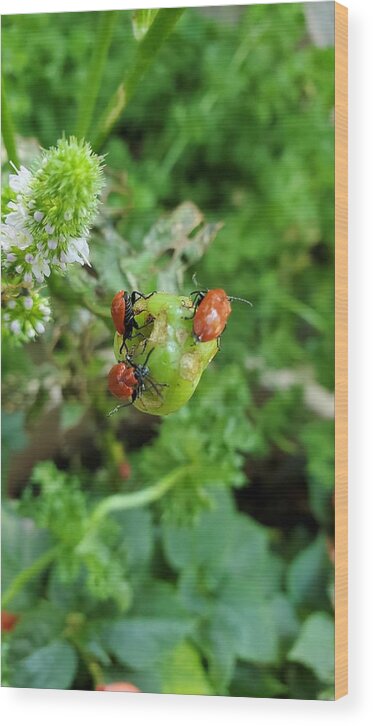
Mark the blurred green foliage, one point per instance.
(226, 584)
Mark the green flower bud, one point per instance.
(24, 314)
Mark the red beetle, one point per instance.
(122, 382)
(212, 310)
(127, 381)
(123, 314)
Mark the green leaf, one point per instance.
(53, 666)
(315, 646)
(328, 694)
(318, 440)
(219, 649)
(160, 599)
(159, 30)
(207, 542)
(249, 625)
(36, 628)
(285, 618)
(251, 681)
(141, 22)
(22, 544)
(221, 540)
(136, 529)
(183, 673)
(307, 575)
(141, 642)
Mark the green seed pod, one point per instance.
(176, 362)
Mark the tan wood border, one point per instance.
(341, 349)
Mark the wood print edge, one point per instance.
(341, 350)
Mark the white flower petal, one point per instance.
(15, 327)
(20, 182)
(79, 247)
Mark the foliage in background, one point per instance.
(225, 585)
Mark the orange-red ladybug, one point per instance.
(123, 314)
(212, 310)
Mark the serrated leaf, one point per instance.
(315, 646)
(53, 666)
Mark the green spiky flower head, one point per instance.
(65, 189)
(54, 207)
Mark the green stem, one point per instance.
(147, 49)
(7, 128)
(115, 503)
(95, 72)
(92, 666)
(119, 502)
(28, 574)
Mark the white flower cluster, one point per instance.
(45, 227)
(33, 253)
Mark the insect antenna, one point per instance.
(241, 299)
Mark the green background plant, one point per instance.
(222, 582)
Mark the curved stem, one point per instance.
(119, 502)
(28, 574)
(115, 503)
(7, 128)
(96, 69)
(159, 30)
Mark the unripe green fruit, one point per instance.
(176, 361)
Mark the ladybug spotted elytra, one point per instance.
(212, 309)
